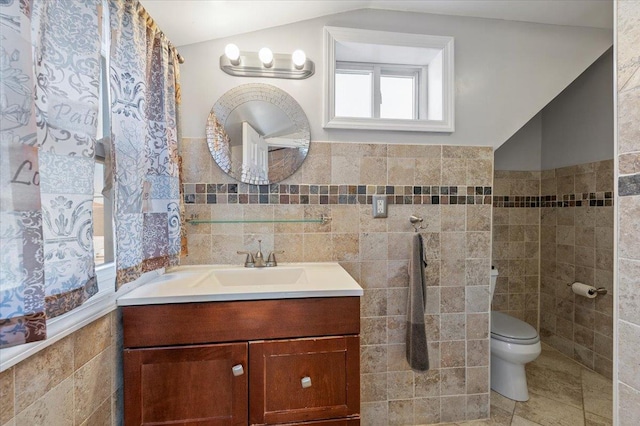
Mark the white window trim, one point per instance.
(332, 35)
(60, 327)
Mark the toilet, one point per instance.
(513, 344)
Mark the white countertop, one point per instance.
(211, 283)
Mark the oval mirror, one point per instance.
(258, 134)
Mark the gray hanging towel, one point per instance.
(417, 354)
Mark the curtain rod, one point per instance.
(151, 23)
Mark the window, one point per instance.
(368, 90)
(377, 80)
(103, 241)
(354, 93)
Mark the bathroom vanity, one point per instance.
(257, 357)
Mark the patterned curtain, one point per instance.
(144, 143)
(22, 311)
(48, 108)
(67, 70)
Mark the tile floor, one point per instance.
(562, 393)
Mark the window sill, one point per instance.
(64, 325)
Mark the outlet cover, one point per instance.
(379, 205)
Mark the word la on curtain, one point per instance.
(49, 78)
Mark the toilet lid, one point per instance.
(508, 328)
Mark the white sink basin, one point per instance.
(206, 283)
(261, 276)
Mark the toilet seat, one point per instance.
(512, 330)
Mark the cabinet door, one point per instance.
(186, 385)
(330, 366)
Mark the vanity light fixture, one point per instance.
(265, 63)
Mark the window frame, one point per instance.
(334, 36)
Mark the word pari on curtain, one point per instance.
(47, 156)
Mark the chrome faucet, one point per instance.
(257, 260)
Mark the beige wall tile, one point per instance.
(92, 385)
(453, 218)
(197, 161)
(400, 171)
(477, 406)
(373, 331)
(452, 408)
(101, 416)
(373, 387)
(42, 372)
(426, 410)
(454, 171)
(629, 290)
(345, 247)
(479, 172)
(344, 170)
(401, 412)
(400, 384)
(628, 405)
(629, 237)
(90, 340)
(428, 171)
(317, 247)
(373, 171)
(628, 344)
(374, 413)
(478, 217)
(7, 395)
(53, 408)
(345, 219)
(452, 326)
(373, 359)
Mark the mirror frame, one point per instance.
(333, 35)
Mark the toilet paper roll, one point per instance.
(584, 290)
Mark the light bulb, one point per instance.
(266, 56)
(233, 53)
(299, 58)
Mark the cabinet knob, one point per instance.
(306, 382)
(237, 370)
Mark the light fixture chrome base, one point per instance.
(281, 67)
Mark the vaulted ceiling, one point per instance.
(192, 21)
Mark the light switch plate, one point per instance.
(379, 205)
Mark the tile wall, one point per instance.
(516, 241)
(552, 228)
(628, 262)
(376, 252)
(576, 244)
(75, 381)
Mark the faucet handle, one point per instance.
(249, 262)
(271, 260)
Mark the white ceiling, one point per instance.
(193, 21)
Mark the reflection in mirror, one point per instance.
(258, 134)
(388, 81)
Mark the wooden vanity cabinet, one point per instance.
(299, 362)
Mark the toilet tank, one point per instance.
(494, 278)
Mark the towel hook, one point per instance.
(416, 221)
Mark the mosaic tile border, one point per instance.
(240, 193)
(593, 199)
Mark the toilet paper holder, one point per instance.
(599, 290)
